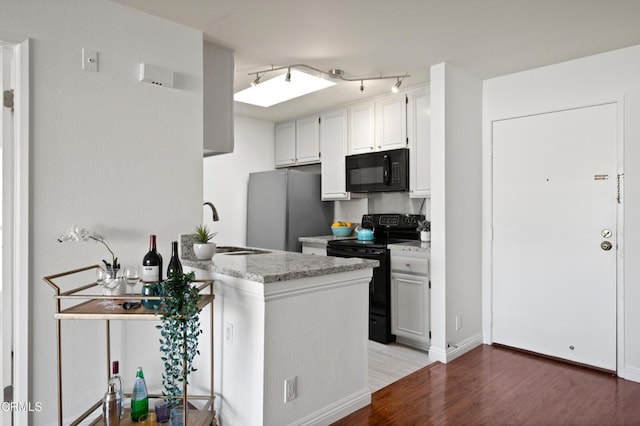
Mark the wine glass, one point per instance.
(101, 277)
(132, 275)
(110, 284)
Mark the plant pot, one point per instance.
(204, 251)
(425, 236)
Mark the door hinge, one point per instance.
(406, 99)
(429, 334)
(319, 120)
(429, 284)
(7, 99)
(618, 186)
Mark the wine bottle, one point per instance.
(152, 263)
(139, 397)
(174, 263)
(116, 381)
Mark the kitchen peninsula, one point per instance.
(288, 327)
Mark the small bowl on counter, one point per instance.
(341, 231)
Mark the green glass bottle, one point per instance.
(139, 397)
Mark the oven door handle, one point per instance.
(386, 170)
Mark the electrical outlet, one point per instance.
(290, 389)
(458, 322)
(228, 333)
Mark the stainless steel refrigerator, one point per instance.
(283, 205)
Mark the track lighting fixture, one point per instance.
(396, 86)
(333, 73)
(255, 82)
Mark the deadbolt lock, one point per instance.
(606, 245)
(606, 233)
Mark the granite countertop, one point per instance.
(415, 246)
(323, 239)
(278, 265)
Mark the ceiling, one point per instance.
(367, 38)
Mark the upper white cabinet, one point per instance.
(333, 142)
(391, 122)
(361, 136)
(419, 128)
(297, 142)
(307, 140)
(285, 144)
(217, 86)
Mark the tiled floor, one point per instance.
(388, 363)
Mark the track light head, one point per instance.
(361, 86)
(396, 86)
(288, 76)
(255, 82)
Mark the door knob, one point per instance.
(606, 233)
(606, 245)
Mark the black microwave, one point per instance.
(382, 171)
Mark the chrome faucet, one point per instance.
(213, 211)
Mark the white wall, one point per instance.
(611, 76)
(456, 211)
(226, 178)
(109, 153)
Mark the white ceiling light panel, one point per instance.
(277, 90)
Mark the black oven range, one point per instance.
(387, 229)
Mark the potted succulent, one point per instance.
(424, 227)
(202, 248)
(179, 333)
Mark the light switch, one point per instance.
(89, 60)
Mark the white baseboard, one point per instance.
(463, 347)
(337, 410)
(632, 373)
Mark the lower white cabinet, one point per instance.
(319, 249)
(410, 301)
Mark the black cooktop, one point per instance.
(375, 243)
(388, 228)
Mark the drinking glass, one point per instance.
(112, 283)
(132, 275)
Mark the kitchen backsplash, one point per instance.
(384, 202)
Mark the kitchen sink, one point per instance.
(229, 250)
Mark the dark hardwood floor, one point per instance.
(499, 386)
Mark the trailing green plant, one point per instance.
(179, 332)
(423, 225)
(204, 235)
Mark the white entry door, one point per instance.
(555, 201)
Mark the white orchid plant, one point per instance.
(83, 234)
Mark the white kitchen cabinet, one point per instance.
(362, 130)
(297, 142)
(410, 298)
(217, 88)
(391, 122)
(307, 140)
(319, 249)
(418, 129)
(333, 142)
(285, 144)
